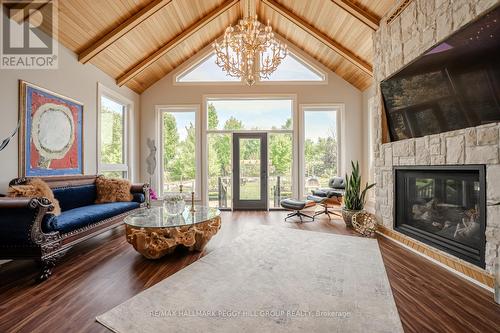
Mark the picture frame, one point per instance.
(44, 151)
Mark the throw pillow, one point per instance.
(112, 190)
(35, 188)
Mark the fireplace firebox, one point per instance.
(443, 206)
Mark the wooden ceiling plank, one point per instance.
(167, 65)
(130, 74)
(19, 12)
(108, 39)
(335, 46)
(359, 13)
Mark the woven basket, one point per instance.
(347, 215)
(364, 223)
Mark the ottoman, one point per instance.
(297, 206)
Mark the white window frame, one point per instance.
(159, 110)
(103, 91)
(204, 55)
(205, 132)
(339, 108)
(299, 55)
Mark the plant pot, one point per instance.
(347, 215)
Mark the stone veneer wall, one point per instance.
(421, 25)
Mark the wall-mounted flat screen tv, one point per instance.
(454, 85)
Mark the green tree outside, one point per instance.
(180, 155)
(111, 137)
(170, 137)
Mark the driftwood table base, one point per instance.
(154, 243)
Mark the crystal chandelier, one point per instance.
(249, 50)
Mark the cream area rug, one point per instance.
(270, 279)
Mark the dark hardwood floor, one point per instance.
(106, 271)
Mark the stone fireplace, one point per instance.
(422, 24)
(443, 206)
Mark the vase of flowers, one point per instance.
(354, 198)
(174, 203)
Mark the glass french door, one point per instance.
(250, 171)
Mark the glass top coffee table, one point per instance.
(154, 233)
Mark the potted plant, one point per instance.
(354, 198)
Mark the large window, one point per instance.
(179, 149)
(226, 116)
(291, 69)
(206, 71)
(303, 148)
(320, 146)
(113, 134)
(249, 114)
(220, 169)
(280, 159)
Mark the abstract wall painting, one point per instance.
(51, 137)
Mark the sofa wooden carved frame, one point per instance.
(48, 248)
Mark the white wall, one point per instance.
(71, 79)
(164, 92)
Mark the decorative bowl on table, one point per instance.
(174, 203)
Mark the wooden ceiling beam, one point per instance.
(134, 71)
(21, 11)
(365, 17)
(335, 46)
(249, 7)
(115, 34)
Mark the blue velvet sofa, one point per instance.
(28, 229)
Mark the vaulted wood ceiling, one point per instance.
(140, 41)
